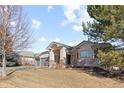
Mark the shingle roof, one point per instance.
(26, 54)
(86, 42)
(52, 43)
(45, 52)
(44, 56)
(94, 44)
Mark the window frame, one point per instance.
(86, 54)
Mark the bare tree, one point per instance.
(14, 31)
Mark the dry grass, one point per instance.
(56, 78)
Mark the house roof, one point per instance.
(44, 56)
(42, 53)
(86, 42)
(58, 44)
(26, 54)
(93, 44)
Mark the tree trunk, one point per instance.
(12, 37)
(4, 66)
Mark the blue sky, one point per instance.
(56, 23)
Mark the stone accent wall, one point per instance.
(63, 57)
(62, 63)
(52, 64)
(51, 59)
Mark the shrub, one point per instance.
(111, 58)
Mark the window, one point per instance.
(86, 54)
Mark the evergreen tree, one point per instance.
(108, 23)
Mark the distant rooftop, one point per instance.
(26, 54)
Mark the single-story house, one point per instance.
(27, 58)
(61, 55)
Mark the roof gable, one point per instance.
(58, 45)
(86, 42)
(42, 53)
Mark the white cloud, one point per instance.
(36, 24)
(73, 43)
(57, 39)
(69, 13)
(43, 39)
(50, 8)
(77, 28)
(75, 15)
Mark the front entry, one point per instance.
(57, 56)
(57, 53)
(68, 59)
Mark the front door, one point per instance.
(68, 59)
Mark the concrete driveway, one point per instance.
(12, 69)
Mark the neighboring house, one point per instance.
(44, 59)
(27, 58)
(61, 55)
